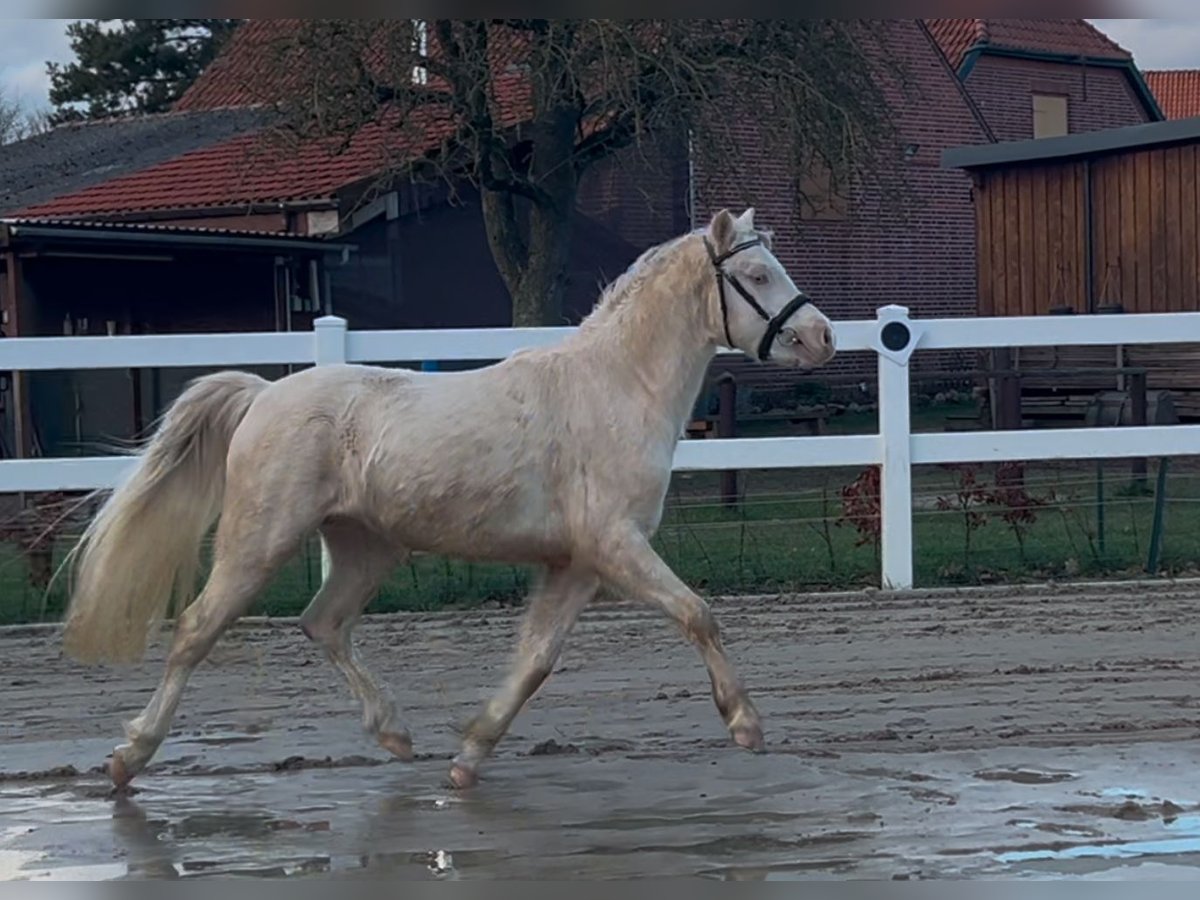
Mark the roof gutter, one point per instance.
(1083, 144)
(10, 233)
(1138, 82)
(969, 60)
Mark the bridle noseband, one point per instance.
(775, 323)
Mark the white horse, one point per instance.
(558, 457)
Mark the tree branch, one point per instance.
(605, 141)
(534, 26)
(492, 150)
(414, 95)
(587, 89)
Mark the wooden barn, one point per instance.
(1105, 222)
(90, 278)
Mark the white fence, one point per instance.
(893, 336)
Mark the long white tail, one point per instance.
(143, 547)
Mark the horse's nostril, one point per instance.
(826, 336)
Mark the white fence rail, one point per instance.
(893, 336)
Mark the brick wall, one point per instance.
(924, 259)
(639, 193)
(1097, 98)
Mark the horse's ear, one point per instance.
(721, 230)
(746, 220)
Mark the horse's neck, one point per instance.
(659, 354)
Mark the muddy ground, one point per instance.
(1018, 733)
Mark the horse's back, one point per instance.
(438, 459)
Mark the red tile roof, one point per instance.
(1072, 37)
(260, 169)
(263, 64)
(230, 79)
(245, 171)
(956, 36)
(1177, 91)
(252, 169)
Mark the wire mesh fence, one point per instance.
(788, 530)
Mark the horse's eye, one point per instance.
(759, 278)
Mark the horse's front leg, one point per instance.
(630, 565)
(553, 608)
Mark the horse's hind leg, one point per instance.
(248, 554)
(554, 606)
(360, 562)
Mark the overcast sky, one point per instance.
(26, 45)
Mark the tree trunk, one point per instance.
(534, 261)
(538, 297)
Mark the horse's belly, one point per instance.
(509, 541)
(475, 523)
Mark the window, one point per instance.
(1049, 115)
(420, 46)
(821, 197)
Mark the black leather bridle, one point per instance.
(775, 323)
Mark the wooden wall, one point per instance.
(1031, 239)
(1033, 228)
(1147, 229)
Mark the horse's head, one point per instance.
(760, 310)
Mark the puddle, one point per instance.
(1124, 793)
(620, 789)
(1025, 776)
(98, 872)
(1081, 831)
(14, 862)
(818, 869)
(1184, 838)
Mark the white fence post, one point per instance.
(329, 349)
(329, 333)
(895, 341)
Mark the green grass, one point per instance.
(783, 536)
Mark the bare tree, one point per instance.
(10, 118)
(17, 123)
(520, 108)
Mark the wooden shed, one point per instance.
(1102, 222)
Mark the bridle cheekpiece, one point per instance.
(775, 323)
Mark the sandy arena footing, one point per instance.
(1021, 733)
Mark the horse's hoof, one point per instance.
(399, 745)
(750, 737)
(462, 778)
(118, 772)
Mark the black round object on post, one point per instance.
(895, 336)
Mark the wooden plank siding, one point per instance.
(1033, 237)
(1033, 231)
(1031, 240)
